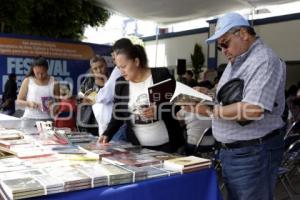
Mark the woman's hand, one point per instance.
(103, 139)
(33, 105)
(149, 112)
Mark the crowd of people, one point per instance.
(247, 123)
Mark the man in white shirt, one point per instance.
(105, 97)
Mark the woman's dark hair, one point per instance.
(133, 52)
(121, 44)
(12, 76)
(40, 61)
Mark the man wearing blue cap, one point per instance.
(250, 130)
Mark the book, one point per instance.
(176, 92)
(185, 162)
(6, 153)
(89, 94)
(46, 103)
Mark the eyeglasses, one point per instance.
(225, 45)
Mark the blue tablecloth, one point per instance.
(200, 185)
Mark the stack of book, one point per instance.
(19, 188)
(132, 159)
(73, 179)
(9, 143)
(116, 175)
(187, 164)
(10, 134)
(98, 177)
(50, 183)
(79, 137)
(138, 173)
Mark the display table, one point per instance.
(4, 117)
(201, 185)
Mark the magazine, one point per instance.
(176, 92)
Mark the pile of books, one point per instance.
(40, 168)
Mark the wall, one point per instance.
(169, 50)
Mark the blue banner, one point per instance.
(68, 60)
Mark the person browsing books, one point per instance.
(104, 100)
(248, 127)
(38, 91)
(9, 95)
(88, 90)
(65, 112)
(131, 105)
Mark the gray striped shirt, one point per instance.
(264, 75)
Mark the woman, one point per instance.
(131, 105)
(38, 91)
(88, 90)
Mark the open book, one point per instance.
(90, 94)
(176, 92)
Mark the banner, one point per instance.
(67, 59)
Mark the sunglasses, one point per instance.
(225, 45)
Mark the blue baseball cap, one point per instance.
(227, 22)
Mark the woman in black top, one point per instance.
(154, 130)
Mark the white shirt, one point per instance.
(35, 94)
(104, 101)
(195, 125)
(148, 132)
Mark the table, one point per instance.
(200, 185)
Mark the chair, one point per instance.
(206, 143)
(290, 164)
(294, 128)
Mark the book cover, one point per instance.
(46, 103)
(162, 92)
(183, 162)
(176, 92)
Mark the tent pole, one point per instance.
(156, 45)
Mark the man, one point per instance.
(250, 154)
(104, 100)
(190, 81)
(9, 95)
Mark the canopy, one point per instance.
(172, 11)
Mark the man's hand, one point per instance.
(197, 108)
(203, 90)
(103, 139)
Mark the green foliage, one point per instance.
(197, 60)
(51, 18)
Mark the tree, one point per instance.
(51, 18)
(197, 60)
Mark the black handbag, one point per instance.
(232, 92)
